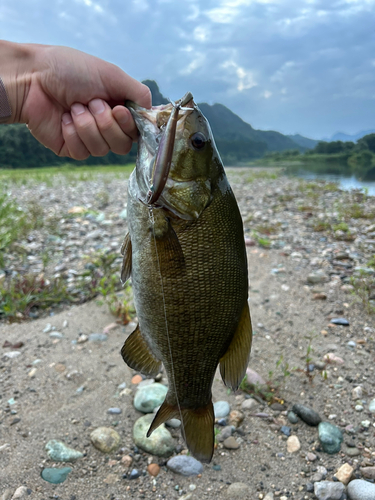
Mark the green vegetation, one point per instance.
(364, 286)
(13, 223)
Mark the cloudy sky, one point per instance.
(305, 66)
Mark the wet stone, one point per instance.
(185, 465)
(105, 439)
(330, 437)
(54, 475)
(160, 443)
(309, 416)
(340, 321)
(292, 417)
(59, 452)
(361, 490)
(147, 398)
(221, 409)
(328, 490)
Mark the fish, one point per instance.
(185, 253)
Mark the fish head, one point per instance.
(177, 159)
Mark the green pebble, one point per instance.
(59, 452)
(55, 476)
(330, 437)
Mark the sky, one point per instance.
(305, 66)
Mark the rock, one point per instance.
(330, 357)
(114, 411)
(253, 378)
(231, 444)
(133, 474)
(238, 490)
(344, 473)
(175, 423)
(149, 397)
(309, 416)
(225, 433)
(371, 406)
(97, 337)
(328, 490)
(185, 465)
(292, 417)
(311, 457)
(368, 472)
(12, 354)
(361, 490)
(7, 494)
(105, 439)
(160, 443)
(55, 476)
(221, 409)
(249, 404)
(56, 335)
(59, 452)
(269, 496)
(358, 408)
(20, 492)
(352, 452)
(136, 379)
(330, 437)
(292, 444)
(235, 418)
(357, 392)
(352, 344)
(286, 430)
(153, 469)
(340, 321)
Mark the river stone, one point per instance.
(238, 490)
(368, 472)
(372, 406)
(309, 416)
(98, 337)
(328, 490)
(292, 417)
(340, 321)
(55, 476)
(361, 490)
(59, 452)
(105, 439)
(185, 465)
(330, 437)
(160, 443)
(147, 398)
(221, 409)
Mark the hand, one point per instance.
(72, 102)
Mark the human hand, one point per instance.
(72, 102)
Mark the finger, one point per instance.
(117, 139)
(88, 131)
(125, 121)
(73, 146)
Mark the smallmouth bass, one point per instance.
(185, 253)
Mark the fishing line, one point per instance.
(152, 219)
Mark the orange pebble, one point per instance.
(136, 379)
(153, 469)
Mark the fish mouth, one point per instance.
(158, 127)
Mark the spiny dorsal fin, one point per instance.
(138, 355)
(234, 362)
(126, 251)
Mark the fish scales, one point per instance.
(189, 277)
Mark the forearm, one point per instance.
(16, 69)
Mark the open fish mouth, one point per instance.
(159, 127)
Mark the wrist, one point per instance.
(16, 69)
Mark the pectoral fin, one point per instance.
(197, 427)
(234, 362)
(126, 251)
(138, 356)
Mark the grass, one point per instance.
(263, 174)
(13, 224)
(364, 288)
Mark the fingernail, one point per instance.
(66, 118)
(96, 106)
(77, 108)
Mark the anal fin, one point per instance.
(234, 362)
(197, 427)
(126, 251)
(138, 355)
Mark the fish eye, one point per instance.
(198, 141)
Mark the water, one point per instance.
(339, 174)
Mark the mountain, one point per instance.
(341, 136)
(235, 139)
(305, 142)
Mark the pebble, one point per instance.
(286, 430)
(330, 357)
(153, 469)
(344, 473)
(235, 418)
(309, 416)
(311, 457)
(105, 439)
(126, 460)
(56, 335)
(230, 443)
(114, 411)
(226, 432)
(253, 378)
(361, 490)
(371, 406)
(292, 444)
(340, 321)
(368, 472)
(97, 337)
(221, 409)
(175, 423)
(133, 474)
(292, 417)
(330, 437)
(185, 465)
(160, 443)
(317, 277)
(147, 398)
(269, 496)
(136, 379)
(54, 475)
(20, 492)
(249, 404)
(357, 392)
(352, 452)
(12, 354)
(351, 343)
(328, 490)
(358, 408)
(59, 452)
(238, 490)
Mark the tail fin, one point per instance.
(197, 427)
